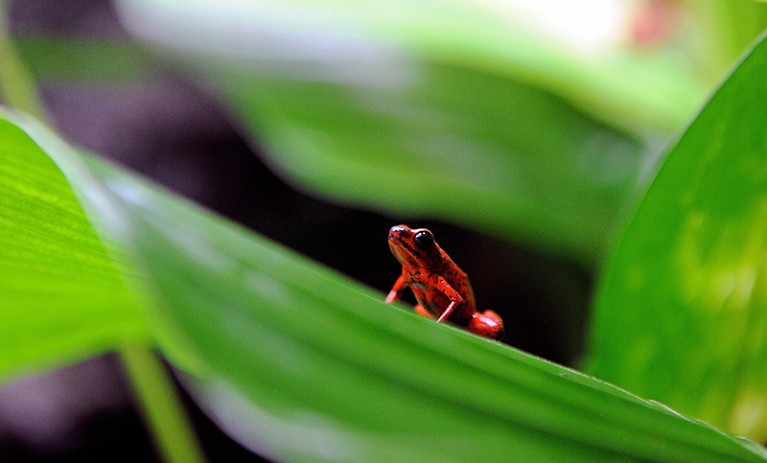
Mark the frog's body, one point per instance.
(441, 288)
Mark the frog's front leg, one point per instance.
(396, 290)
(456, 301)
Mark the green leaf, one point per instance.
(609, 79)
(330, 372)
(90, 59)
(448, 148)
(456, 114)
(61, 297)
(682, 307)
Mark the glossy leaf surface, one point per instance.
(61, 297)
(682, 308)
(330, 372)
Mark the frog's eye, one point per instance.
(423, 239)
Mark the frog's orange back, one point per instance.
(458, 279)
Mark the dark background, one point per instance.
(165, 126)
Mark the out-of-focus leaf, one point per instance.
(61, 297)
(449, 112)
(327, 371)
(550, 176)
(91, 59)
(682, 307)
(342, 38)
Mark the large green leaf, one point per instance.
(682, 308)
(330, 372)
(342, 39)
(448, 148)
(440, 109)
(61, 297)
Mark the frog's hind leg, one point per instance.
(421, 310)
(493, 316)
(488, 324)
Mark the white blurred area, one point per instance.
(589, 26)
(362, 41)
(586, 25)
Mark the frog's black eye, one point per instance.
(423, 239)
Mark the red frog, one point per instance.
(441, 288)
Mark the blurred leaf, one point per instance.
(61, 297)
(448, 112)
(441, 151)
(723, 29)
(16, 87)
(682, 307)
(81, 58)
(330, 372)
(632, 89)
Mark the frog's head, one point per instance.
(413, 247)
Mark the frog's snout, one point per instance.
(398, 232)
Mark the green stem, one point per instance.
(161, 405)
(17, 88)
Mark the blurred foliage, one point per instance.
(453, 110)
(448, 110)
(74, 59)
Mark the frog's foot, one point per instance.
(488, 324)
(421, 310)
